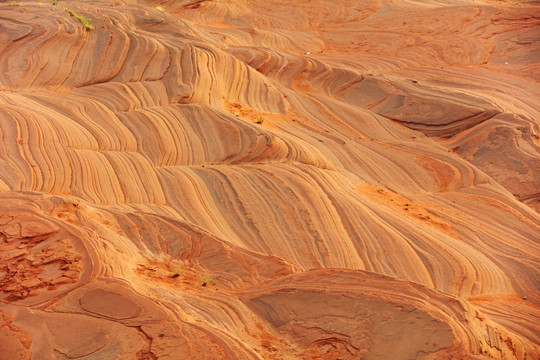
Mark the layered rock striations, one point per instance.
(269, 180)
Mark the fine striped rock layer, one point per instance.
(270, 180)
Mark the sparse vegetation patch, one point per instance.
(177, 271)
(82, 19)
(205, 280)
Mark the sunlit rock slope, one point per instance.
(253, 179)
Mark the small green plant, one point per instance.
(260, 120)
(14, 3)
(54, 2)
(81, 18)
(205, 280)
(40, 5)
(177, 271)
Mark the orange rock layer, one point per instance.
(269, 180)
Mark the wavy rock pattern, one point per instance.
(260, 180)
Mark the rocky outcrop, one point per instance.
(260, 180)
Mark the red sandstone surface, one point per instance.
(253, 179)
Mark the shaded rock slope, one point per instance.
(253, 179)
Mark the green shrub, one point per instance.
(205, 280)
(81, 18)
(177, 271)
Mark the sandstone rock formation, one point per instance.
(270, 180)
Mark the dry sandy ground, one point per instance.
(244, 179)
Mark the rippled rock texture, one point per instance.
(270, 180)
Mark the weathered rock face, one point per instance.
(269, 180)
